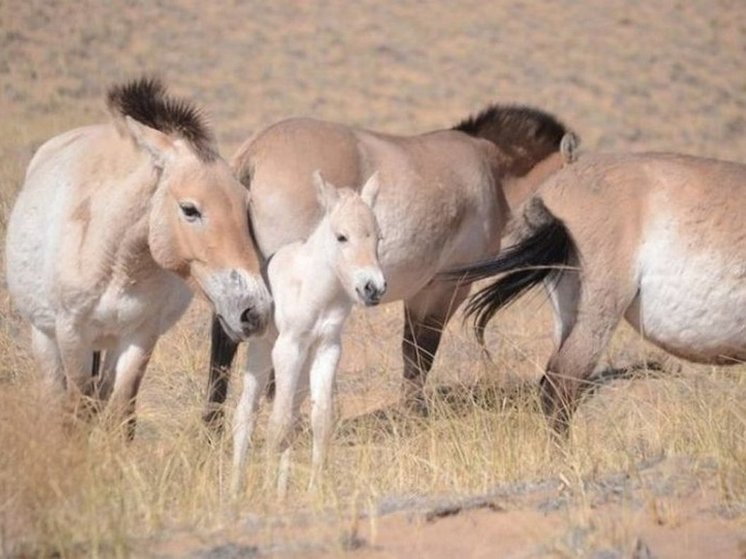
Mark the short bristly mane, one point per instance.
(146, 100)
(524, 134)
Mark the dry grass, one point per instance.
(652, 76)
(89, 493)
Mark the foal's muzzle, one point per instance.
(372, 292)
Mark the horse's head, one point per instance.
(353, 238)
(198, 223)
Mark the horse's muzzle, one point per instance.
(242, 303)
(372, 293)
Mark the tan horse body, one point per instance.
(658, 239)
(444, 199)
(110, 222)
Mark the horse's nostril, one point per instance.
(247, 316)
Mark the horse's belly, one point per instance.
(694, 306)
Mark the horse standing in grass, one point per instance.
(112, 224)
(314, 284)
(444, 200)
(658, 239)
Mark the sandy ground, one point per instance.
(626, 75)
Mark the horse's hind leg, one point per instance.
(585, 320)
(425, 316)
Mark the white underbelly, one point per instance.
(692, 298)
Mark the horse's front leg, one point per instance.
(75, 354)
(322, 373)
(288, 358)
(133, 356)
(222, 352)
(255, 377)
(48, 358)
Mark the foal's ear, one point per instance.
(157, 144)
(325, 192)
(370, 189)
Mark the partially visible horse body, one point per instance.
(112, 222)
(658, 239)
(314, 284)
(445, 197)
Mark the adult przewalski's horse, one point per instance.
(112, 224)
(444, 199)
(658, 239)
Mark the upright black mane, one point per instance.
(146, 100)
(524, 134)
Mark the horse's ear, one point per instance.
(569, 147)
(325, 192)
(154, 142)
(370, 189)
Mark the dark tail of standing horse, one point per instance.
(542, 251)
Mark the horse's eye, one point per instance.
(341, 238)
(190, 211)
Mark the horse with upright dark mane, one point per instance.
(444, 199)
(113, 224)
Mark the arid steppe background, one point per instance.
(655, 465)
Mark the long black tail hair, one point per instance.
(543, 250)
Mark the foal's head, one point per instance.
(198, 225)
(353, 237)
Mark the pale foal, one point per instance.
(314, 284)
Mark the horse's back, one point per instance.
(277, 164)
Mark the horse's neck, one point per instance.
(121, 250)
(518, 189)
(318, 266)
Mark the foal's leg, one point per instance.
(222, 352)
(255, 376)
(425, 316)
(133, 357)
(288, 358)
(322, 373)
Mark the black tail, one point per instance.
(543, 251)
